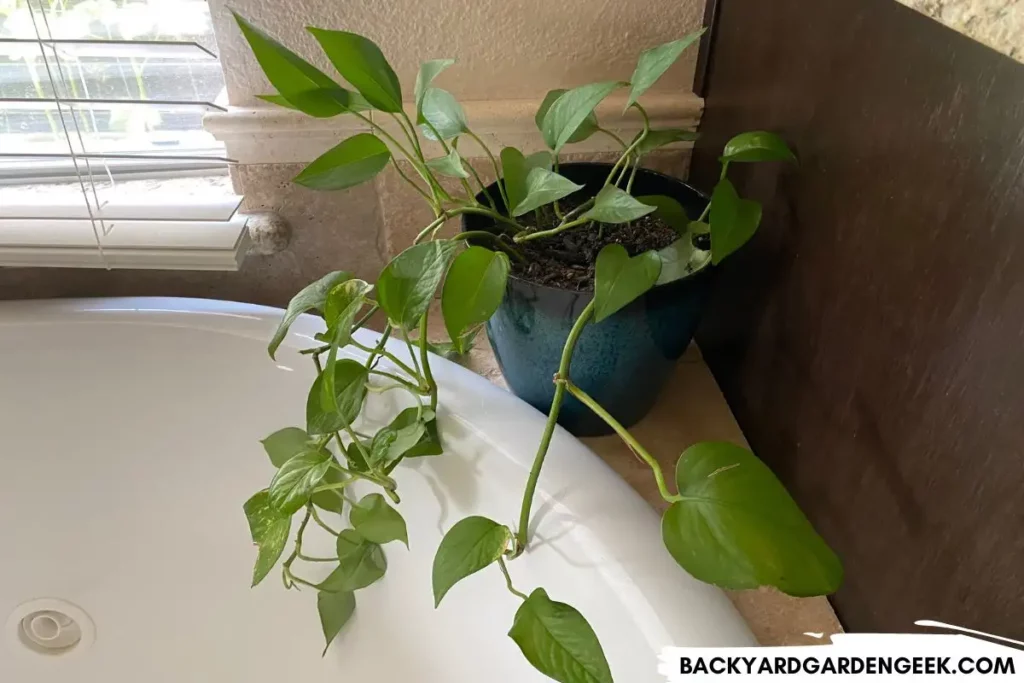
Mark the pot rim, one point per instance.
(706, 269)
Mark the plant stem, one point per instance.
(465, 184)
(480, 182)
(561, 378)
(359, 447)
(435, 184)
(483, 188)
(615, 137)
(323, 525)
(301, 581)
(307, 558)
(562, 227)
(412, 353)
(632, 176)
(505, 246)
(436, 223)
(390, 356)
(582, 207)
(286, 567)
(633, 145)
(411, 182)
(494, 163)
(366, 317)
(401, 382)
(383, 483)
(558, 211)
(427, 374)
(420, 166)
(707, 207)
(390, 138)
(659, 477)
(410, 133)
(508, 580)
(554, 167)
(484, 211)
(332, 487)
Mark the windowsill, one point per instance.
(176, 223)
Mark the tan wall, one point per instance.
(513, 49)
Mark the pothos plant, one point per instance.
(729, 521)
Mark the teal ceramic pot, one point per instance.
(623, 361)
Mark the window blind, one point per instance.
(103, 158)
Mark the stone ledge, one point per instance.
(272, 135)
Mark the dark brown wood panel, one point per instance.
(871, 338)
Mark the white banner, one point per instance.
(855, 657)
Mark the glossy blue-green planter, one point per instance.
(623, 361)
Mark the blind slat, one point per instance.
(126, 208)
(155, 49)
(126, 234)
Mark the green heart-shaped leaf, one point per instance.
(313, 296)
(515, 168)
(473, 290)
(405, 424)
(543, 187)
(570, 109)
(556, 639)
(349, 163)
(361, 63)
(469, 546)
(349, 392)
(449, 165)
(757, 145)
(587, 128)
(737, 527)
(295, 480)
(733, 220)
(513, 171)
(269, 528)
(659, 138)
(542, 159)
(300, 85)
(441, 110)
(335, 610)
(407, 284)
(380, 446)
(681, 259)
(377, 521)
(612, 205)
(429, 70)
(360, 563)
(668, 210)
(284, 444)
(655, 62)
(343, 303)
(410, 429)
(619, 279)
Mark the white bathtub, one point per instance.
(130, 433)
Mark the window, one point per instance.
(103, 158)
